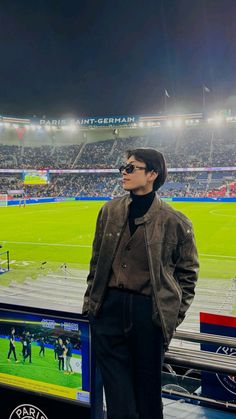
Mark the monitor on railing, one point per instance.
(45, 352)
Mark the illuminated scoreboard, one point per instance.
(35, 177)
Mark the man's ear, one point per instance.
(152, 176)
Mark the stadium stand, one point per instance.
(190, 147)
(180, 185)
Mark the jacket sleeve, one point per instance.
(186, 272)
(93, 262)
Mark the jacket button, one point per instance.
(128, 247)
(121, 286)
(124, 265)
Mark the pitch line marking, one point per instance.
(47, 244)
(214, 212)
(217, 256)
(89, 246)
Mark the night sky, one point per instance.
(108, 57)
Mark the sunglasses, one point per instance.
(130, 168)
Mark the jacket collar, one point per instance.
(122, 211)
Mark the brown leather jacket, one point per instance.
(172, 258)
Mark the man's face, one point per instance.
(140, 181)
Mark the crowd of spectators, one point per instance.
(43, 157)
(178, 184)
(190, 147)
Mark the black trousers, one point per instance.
(61, 363)
(42, 351)
(129, 351)
(28, 354)
(12, 350)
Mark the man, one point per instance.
(55, 347)
(28, 349)
(142, 277)
(42, 346)
(12, 348)
(68, 353)
(61, 350)
(22, 199)
(24, 345)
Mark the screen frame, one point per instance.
(64, 316)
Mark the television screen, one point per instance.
(47, 354)
(35, 177)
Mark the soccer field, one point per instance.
(43, 374)
(61, 233)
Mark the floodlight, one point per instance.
(178, 123)
(169, 123)
(218, 120)
(72, 128)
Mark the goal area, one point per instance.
(4, 262)
(3, 200)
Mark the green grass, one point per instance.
(63, 232)
(215, 231)
(43, 369)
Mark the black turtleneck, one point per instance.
(139, 206)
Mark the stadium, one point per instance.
(71, 166)
(55, 176)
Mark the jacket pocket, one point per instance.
(175, 285)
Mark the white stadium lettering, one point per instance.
(131, 119)
(18, 412)
(27, 411)
(87, 121)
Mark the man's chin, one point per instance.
(127, 188)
